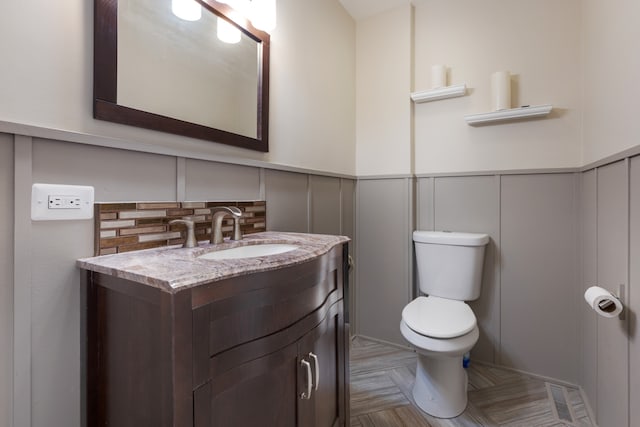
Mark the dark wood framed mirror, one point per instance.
(157, 71)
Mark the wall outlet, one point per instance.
(61, 202)
(65, 202)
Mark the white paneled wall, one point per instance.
(6, 278)
(634, 292)
(552, 236)
(324, 205)
(588, 277)
(539, 268)
(612, 407)
(454, 198)
(47, 309)
(288, 206)
(605, 342)
(383, 263)
(530, 267)
(219, 181)
(543, 227)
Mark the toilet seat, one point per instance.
(439, 318)
(439, 347)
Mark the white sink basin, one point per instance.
(249, 251)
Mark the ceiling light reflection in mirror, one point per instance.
(261, 13)
(189, 10)
(227, 32)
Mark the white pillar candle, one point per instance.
(438, 76)
(501, 90)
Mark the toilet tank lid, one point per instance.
(451, 238)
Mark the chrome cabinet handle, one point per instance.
(316, 366)
(307, 365)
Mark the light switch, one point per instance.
(61, 202)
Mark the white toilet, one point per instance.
(441, 326)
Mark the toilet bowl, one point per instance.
(441, 326)
(440, 388)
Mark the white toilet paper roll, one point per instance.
(438, 76)
(603, 302)
(501, 90)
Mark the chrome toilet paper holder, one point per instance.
(620, 297)
(606, 303)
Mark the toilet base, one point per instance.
(440, 389)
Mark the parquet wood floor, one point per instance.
(382, 378)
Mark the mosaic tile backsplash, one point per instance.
(124, 227)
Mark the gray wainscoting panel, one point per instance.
(634, 294)
(424, 203)
(117, 175)
(348, 228)
(472, 204)
(348, 208)
(56, 320)
(613, 241)
(54, 282)
(539, 321)
(221, 181)
(589, 277)
(324, 194)
(383, 232)
(287, 197)
(6, 279)
(23, 376)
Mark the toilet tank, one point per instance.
(449, 264)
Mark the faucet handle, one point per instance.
(237, 234)
(191, 235)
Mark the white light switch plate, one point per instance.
(60, 202)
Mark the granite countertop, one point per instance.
(173, 268)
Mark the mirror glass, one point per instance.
(181, 69)
(156, 70)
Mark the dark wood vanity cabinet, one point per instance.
(321, 348)
(268, 391)
(263, 349)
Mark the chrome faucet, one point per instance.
(217, 215)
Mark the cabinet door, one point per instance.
(324, 344)
(258, 393)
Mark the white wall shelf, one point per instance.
(440, 93)
(508, 115)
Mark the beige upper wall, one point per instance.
(383, 83)
(539, 43)
(47, 77)
(46, 81)
(313, 86)
(612, 66)
(575, 55)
